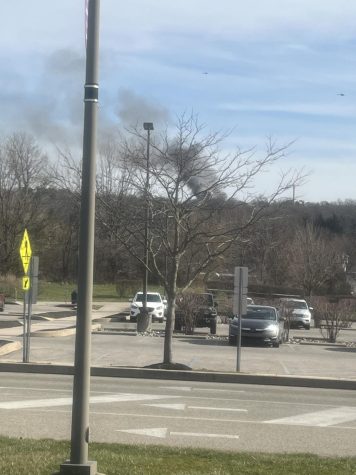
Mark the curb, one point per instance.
(176, 375)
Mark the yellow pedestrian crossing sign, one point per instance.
(25, 251)
(25, 283)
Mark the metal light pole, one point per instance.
(143, 320)
(79, 464)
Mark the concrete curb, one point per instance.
(209, 377)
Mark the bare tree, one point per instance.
(333, 316)
(23, 176)
(314, 258)
(201, 202)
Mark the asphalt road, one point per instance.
(227, 417)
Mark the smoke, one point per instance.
(134, 110)
(50, 106)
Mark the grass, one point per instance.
(43, 457)
(61, 292)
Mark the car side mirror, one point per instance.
(311, 309)
(164, 302)
(130, 300)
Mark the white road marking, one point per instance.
(217, 408)
(37, 389)
(125, 414)
(286, 370)
(188, 389)
(325, 418)
(176, 407)
(66, 401)
(221, 390)
(201, 434)
(181, 407)
(162, 433)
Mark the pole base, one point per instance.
(68, 468)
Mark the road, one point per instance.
(220, 416)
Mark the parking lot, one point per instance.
(118, 344)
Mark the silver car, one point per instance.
(260, 322)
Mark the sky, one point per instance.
(284, 69)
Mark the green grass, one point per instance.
(60, 292)
(54, 291)
(43, 457)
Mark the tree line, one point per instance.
(201, 206)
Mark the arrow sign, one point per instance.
(25, 283)
(25, 251)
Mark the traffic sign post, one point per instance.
(25, 254)
(29, 263)
(25, 283)
(240, 305)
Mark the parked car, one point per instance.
(155, 306)
(203, 313)
(296, 311)
(260, 322)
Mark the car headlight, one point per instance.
(134, 307)
(159, 308)
(272, 327)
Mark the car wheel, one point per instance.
(232, 340)
(307, 327)
(213, 328)
(275, 344)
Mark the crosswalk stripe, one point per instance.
(325, 418)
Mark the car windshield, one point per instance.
(295, 304)
(262, 313)
(150, 298)
(205, 299)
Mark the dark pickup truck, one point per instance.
(202, 313)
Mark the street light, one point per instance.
(79, 463)
(143, 323)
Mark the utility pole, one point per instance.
(79, 464)
(143, 321)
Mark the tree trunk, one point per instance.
(144, 321)
(168, 337)
(171, 296)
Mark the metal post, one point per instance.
(81, 384)
(238, 355)
(24, 339)
(143, 322)
(147, 217)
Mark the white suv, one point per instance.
(155, 306)
(298, 310)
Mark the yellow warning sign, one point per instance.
(25, 283)
(25, 251)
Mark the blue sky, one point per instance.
(275, 68)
